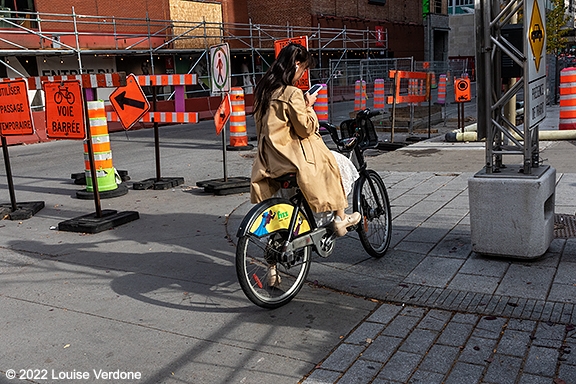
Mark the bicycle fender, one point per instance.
(269, 216)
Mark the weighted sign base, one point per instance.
(231, 186)
(92, 224)
(163, 183)
(23, 211)
(120, 191)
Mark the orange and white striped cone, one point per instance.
(107, 178)
(238, 135)
(364, 95)
(321, 104)
(433, 84)
(441, 90)
(357, 95)
(379, 99)
(567, 99)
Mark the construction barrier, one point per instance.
(161, 117)
(433, 85)
(413, 78)
(360, 95)
(105, 172)
(99, 80)
(567, 98)
(321, 104)
(379, 95)
(238, 135)
(166, 80)
(441, 90)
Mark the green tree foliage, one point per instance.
(556, 29)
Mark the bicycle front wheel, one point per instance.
(371, 200)
(269, 277)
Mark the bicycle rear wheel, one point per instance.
(268, 277)
(371, 200)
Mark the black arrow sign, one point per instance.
(122, 100)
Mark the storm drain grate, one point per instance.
(564, 226)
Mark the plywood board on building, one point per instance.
(198, 22)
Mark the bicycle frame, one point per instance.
(313, 235)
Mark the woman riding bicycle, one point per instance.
(289, 141)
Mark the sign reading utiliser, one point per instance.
(64, 110)
(15, 115)
(129, 102)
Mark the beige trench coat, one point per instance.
(288, 142)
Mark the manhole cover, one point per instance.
(564, 226)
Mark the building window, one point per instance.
(377, 2)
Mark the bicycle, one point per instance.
(64, 94)
(277, 236)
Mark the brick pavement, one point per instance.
(448, 315)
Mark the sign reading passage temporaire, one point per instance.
(15, 115)
(64, 110)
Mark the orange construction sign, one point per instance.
(222, 113)
(462, 90)
(64, 110)
(399, 77)
(15, 115)
(304, 82)
(129, 102)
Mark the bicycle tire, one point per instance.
(258, 249)
(70, 98)
(371, 200)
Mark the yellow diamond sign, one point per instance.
(536, 35)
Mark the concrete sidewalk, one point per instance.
(159, 295)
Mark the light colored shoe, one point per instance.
(341, 226)
(273, 276)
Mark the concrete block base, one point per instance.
(511, 214)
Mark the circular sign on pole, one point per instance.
(462, 90)
(220, 65)
(64, 110)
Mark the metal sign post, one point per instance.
(220, 66)
(511, 205)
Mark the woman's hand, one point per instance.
(310, 99)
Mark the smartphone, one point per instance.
(314, 89)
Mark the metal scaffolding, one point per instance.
(50, 34)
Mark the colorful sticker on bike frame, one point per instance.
(277, 218)
(64, 110)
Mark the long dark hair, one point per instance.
(280, 74)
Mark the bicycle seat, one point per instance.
(287, 181)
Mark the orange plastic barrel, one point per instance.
(567, 99)
(321, 104)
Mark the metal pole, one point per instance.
(224, 156)
(77, 40)
(156, 136)
(9, 174)
(394, 107)
(93, 172)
